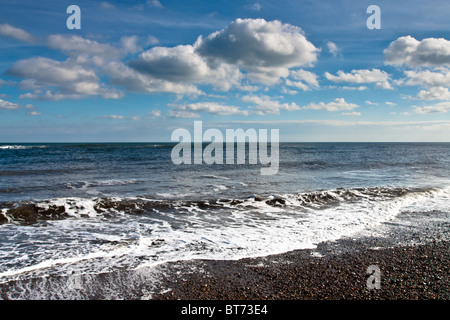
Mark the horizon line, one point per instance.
(207, 142)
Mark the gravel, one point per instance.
(411, 272)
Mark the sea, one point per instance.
(69, 209)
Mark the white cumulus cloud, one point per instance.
(411, 52)
(435, 83)
(264, 49)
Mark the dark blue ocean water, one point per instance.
(45, 171)
(91, 208)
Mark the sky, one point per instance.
(137, 70)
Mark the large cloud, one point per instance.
(429, 59)
(78, 76)
(264, 49)
(411, 52)
(247, 49)
(55, 80)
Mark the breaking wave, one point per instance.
(27, 212)
(19, 147)
(70, 236)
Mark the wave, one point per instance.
(19, 147)
(97, 183)
(211, 176)
(91, 236)
(29, 212)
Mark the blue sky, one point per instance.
(137, 70)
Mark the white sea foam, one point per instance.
(15, 147)
(113, 182)
(92, 243)
(94, 183)
(18, 147)
(219, 187)
(168, 195)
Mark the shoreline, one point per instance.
(412, 252)
(333, 271)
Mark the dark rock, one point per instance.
(53, 212)
(26, 213)
(3, 219)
